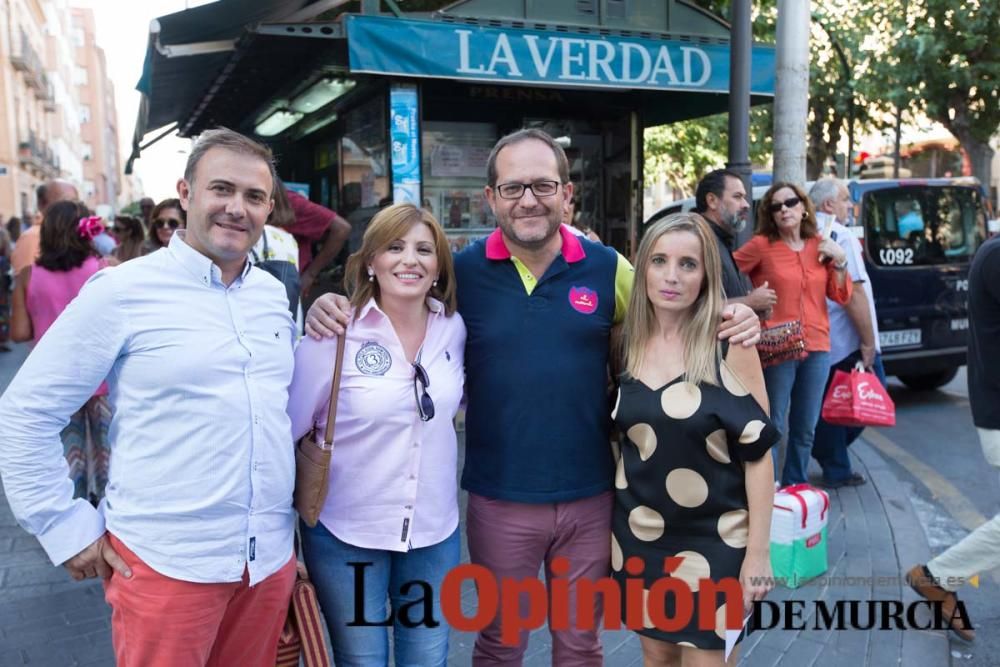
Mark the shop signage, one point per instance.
(404, 134)
(510, 55)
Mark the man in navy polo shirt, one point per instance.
(539, 303)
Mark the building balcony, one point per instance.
(27, 61)
(38, 157)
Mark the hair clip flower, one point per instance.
(90, 227)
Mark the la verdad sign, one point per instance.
(459, 51)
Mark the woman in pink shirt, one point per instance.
(66, 261)
(391, 516)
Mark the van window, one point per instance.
(923, 225)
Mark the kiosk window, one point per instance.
(454, 169)
(922, 225)
(363, 155)
(364, 166)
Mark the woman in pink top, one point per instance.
(66, 261)
(392, 505)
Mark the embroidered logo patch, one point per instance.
(373, 359)
(583, 299)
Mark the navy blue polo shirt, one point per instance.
(537, 423)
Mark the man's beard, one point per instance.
(735, 221)
(553, 218)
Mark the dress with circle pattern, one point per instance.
(680, 487)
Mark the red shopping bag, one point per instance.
(858, 399)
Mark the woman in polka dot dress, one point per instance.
(692, 482)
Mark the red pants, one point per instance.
(513, 539)
(157, 621)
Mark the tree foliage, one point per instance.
(682, 152)
(942, 58)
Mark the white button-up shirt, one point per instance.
(844, 338)
(202, 464)
(393, 481)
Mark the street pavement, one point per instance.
(48, 620)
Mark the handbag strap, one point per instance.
(331, 413)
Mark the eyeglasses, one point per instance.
(425, 406)
(538, 188)
(119, 229)
(791, 202)
(160, 223)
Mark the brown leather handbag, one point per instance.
(312, 456)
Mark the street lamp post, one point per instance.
(740, 54)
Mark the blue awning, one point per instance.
(512, 55)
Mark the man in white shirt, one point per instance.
(853, 332)
(194, 537)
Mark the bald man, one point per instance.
(48, 193)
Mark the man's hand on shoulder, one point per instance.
(740, 325)
(328, 316)
(97, 560)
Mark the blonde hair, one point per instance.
(701, 353)
(388, 225)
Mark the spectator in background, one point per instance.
(803, 268)
(6, 247)
(853, 332)
(48, 193)
(68, 259)
(167, 217)
(131, 236)
(721, 199)
(572, 220)
(14, 228)
(313, 223)
(277, 251)
(147, 207)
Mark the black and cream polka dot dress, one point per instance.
(680, 487)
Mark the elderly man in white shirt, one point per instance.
(194, 538)
(853, 332)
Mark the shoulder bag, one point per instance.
(312, 456)
(782, 342)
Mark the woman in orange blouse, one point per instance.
(791, 256)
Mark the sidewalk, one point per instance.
(46, 619)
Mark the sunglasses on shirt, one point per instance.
(791, 202)
(425, 406)
(160, 223)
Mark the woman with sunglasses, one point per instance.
(130, 233)
(392, 499)
(803, 266)
(167, 217)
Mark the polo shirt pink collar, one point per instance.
(572, 249)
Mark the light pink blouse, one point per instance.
(392, 476)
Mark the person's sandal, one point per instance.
(920, 580)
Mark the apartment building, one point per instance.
(57, 112)
(98, 119)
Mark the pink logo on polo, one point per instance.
(583, 299)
